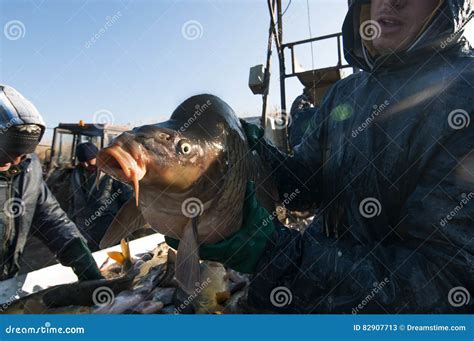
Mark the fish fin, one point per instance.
(128, 220)
(187, 260)
(117, 256)
(125, 249)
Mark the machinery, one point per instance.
(315, 82)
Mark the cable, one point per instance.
(286, 9)
(310, 34)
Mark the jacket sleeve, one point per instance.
(51, 224)
(425, 265)
(300, 170)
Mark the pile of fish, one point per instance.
(142, 285)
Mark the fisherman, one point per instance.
(301, 111)
(26, 204)
(93, 207)
(388, 162)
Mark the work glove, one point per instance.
(242, 250)
(77, 255)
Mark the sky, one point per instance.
(133, 62)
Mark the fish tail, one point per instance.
(125, 250)
(187, 260)
(116, 256)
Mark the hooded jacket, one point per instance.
(388, 163)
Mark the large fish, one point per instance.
(189, 176)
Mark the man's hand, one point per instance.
(242, 250)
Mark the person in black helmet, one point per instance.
(26, 204)
(93, 207)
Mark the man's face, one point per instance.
(90, 165)
(7, 160)
(400, 21)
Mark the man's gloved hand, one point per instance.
(77, 255)
(243, 249)
(254, 133)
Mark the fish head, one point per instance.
(162, 155)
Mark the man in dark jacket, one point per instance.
(26, 203)
(388, 162)
(93, 207)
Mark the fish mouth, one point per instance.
(123, 165)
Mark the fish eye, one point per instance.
(185, 148)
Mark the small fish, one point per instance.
(189, 176)
(148, 287)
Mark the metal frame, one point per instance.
(276, 34)
(292, 45)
